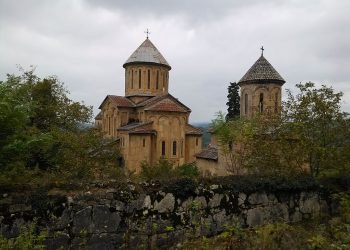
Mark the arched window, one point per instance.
(246, 104)
(174, 148)
(144, 142)
(261, 103)
(149, 79)
(276, 103)
(139, 78)
(157, 80)
(163, 148)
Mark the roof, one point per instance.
(118, 101)
(138, 128)
(262, 71)
(210, 153)
(190, 130)
(165, 102)
(147, 53)
(98, 116)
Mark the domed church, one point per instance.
(148, 122)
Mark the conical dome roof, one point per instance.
(262, 71)
(147, 53)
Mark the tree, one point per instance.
(233, 103)
(41, 128)
(311, 134)
(314, 117)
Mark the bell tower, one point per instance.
(261, 89)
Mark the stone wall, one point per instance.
(150, 215)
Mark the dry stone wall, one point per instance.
(151, 216)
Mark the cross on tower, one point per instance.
(147, 32)
(262, 50)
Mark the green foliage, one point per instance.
(166, 170)
(311, 134)
(233, 101)
(42, 135)
(28, 239)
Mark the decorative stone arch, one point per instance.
(261, 95)
(246, 101)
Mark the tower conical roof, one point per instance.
(147, 53)
(262, 71)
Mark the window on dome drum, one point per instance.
(157, 80)
(163, 148)
(139, 78)
(149, 80)
(174, 148)
(276, 102)
(261, 103)
(196, 141)
(132, 79)
(144, 142)
(245, 104)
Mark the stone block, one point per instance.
(258, 198)
(166, 205)
(104, 221)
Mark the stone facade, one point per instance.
(148, 122)
(153, 217)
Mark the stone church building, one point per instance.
(260, 92)
(148, 122)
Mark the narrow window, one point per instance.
(174, 148)
(132, 79)
(157, 80)
(144, 142)
(196, 141)
(163, 148)
(109, 125)
(181, 148)
(139, 78)
(276, 103)
(245, 104)
(164, 80)
(149, 80)
(261, 103)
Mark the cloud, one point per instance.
(207, 43)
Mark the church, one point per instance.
(260, 93)
(149, 123)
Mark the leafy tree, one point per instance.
(41, 129)
(233, 102)
(322, 129)
(311, 134)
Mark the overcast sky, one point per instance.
(208, 44)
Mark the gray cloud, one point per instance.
(207, 43)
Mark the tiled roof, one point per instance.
(190, 130)
(98, 116)
(262, 70)
(138, 128)
(119, 101)
(147, 53)
(210, 153)
(166, 105)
